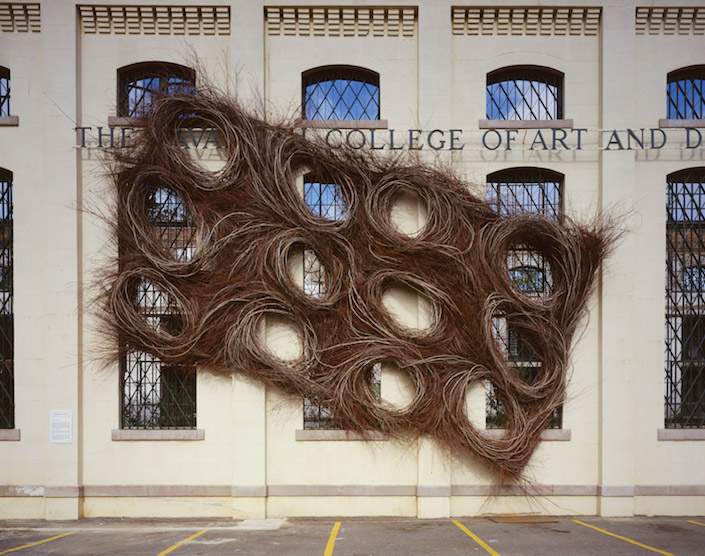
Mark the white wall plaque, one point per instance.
(60, 426)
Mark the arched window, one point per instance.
(685, 305)
(526, 190)
(522, 191)
(139, 85)
(340, 93)
(525, 93)
(4, 91)
(686, 93)
(7, 344)
(154, 394)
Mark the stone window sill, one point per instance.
(11, 435)
(681, 434)
(343, 124)
(9, 121)
(338, 435)
(680, 123)
(526, 124)
(158, 434)
(546, 434)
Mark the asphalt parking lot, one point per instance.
(505, 536)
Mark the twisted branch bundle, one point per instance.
(249, 216)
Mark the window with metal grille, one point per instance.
(340, 93)
(325, 200)
(317, 416)
(139, 85)
(510, 192)
(7, 343)
(685, 299)
(154, 394)
(4, 91)
(525, 93)
(685, 91)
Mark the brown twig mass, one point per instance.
(248, 218)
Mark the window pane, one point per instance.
(154, 394)
(524, 94)
(7, 383)
(4, 91)
(340, 93)
(685, 300)
(171, 221)
(522, 191)
(685, 93)
(324, 200)
(141, 85)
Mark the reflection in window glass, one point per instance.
(340, 93)
(324, 200)
(529, 279)
(694, 279)
(4, 91)
(524, 93)
(686, 94)
(171, 221)
(526, 191)
(685, 303)
(141, 84)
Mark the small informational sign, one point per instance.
(60, 426)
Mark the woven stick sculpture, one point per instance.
(249, 217)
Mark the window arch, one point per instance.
(685, 305)
(525, 93)
(7, 344)
(685, 92)
(139, 85)
(522, 191)
(4, 91)
(340, 93)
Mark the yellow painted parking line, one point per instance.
(646, 546)
(38, 542)
(331, 539)
(477, 539)
(696, 522)
(178, 544)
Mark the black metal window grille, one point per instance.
(139, 85)
(324, 200)
(524, 93)
(518, 353)
(685, 300)
(171, 221)
(318, 416)
(522, 191)
(7, 340)
(340, 93)
(685, 91)
(4, 91)
(526, 191)
(154, 394)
